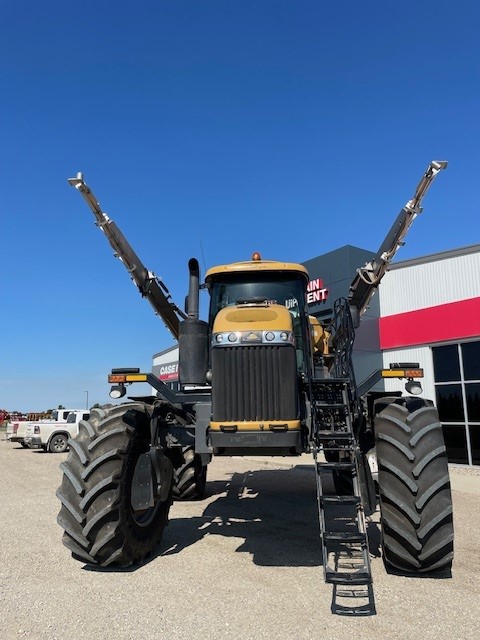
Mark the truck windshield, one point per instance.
(54, 415)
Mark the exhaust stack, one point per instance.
(193, 289)
(193, 337)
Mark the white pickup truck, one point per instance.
(53, 435)
(18, 429)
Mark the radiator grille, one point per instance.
(254, 383)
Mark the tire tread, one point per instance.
(414, 486)
(94, 495)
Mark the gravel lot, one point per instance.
(243, 563)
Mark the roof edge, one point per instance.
(162, 353)
(434, 257)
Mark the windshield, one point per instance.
(288, 289)
(239, 287)
(54, 415)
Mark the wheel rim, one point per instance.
(145, 517)
(59, 444)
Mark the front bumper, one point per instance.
(263, 443)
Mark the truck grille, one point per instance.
(257, 382)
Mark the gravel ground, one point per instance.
(242, 563)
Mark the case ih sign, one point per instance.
(168, 372)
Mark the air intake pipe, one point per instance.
(193, 336)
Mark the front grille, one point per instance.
(255, 382)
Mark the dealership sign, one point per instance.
(168, 371)
(316, 291)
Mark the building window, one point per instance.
(457, 390)
(446, 363)
(456, 443)
(450, 402)
(471, 360)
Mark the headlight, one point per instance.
(414, 387)
(117, 391)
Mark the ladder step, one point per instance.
(330, 434)
(341, 500)
(336, 466)
(355, 577)
(344, 536)
(363, 610)
(319, 404)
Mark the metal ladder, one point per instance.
(346, 559)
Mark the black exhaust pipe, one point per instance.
(194, 334)
(193, 289)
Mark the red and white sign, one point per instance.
(168, 372)
(316, 291)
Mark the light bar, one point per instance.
(116, 378)
(129, 377)
(402, 373)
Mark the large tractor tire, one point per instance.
(101, 526)
(190, 477)
(414, 488)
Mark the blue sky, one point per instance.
(286, 127)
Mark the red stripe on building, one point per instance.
(453, 321)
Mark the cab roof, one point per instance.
(256, 265)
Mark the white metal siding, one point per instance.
(422, 355)
(166, 356)
(430, 284)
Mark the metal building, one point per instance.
(430, 313)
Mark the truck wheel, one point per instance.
(58, 443)
(414, 487)
(24, 445)
(190, 477)
(100, 522)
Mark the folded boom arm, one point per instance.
(147, 282)
(368, 277)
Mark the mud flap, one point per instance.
(153, 469)
(142, 485)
